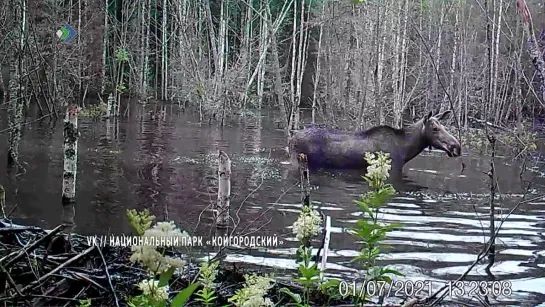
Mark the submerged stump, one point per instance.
(70, 149)
(305, 188)
(305, 179)
(224, 190)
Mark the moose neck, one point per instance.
(415, 141)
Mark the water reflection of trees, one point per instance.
(154, 172)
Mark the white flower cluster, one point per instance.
(258, 301)
(379, 166)
(165, 230)
(151, 288)
(308, 224)
(253, 295)
(208, 273)
(148, 256)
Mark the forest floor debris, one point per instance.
(49, 268)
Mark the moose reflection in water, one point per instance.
(332, 149)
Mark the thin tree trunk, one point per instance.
(381, 40)
(446, 105)
(292, 108)
(497, 29)
(301, 64)
(263, 43)
(16, 94)
(105, 48)
(80, 51)
(318, 64)
(490, 67)
(145, 64)
(164, 56)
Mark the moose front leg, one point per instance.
(396, 172)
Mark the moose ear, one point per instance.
(444, 115)
(425, 119)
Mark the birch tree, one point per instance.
(15, 81)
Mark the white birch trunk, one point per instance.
(496, 61)
(381, 41)
(104, 49)
(80, 50)
(318, 64)
(453, 60)
(301, 64)
(293, 69)
(224, 190)
(396, 80)
(146, 53)
(111, 107)
(263, 46)
(70, 149)
(16, 91)
(164, 46)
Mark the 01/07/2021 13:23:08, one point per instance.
(425, 288)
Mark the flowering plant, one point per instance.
(207, 274)
(308, 224)
(369, 230)
(253, 293)
(152, 257)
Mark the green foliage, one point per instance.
(369, 229)
(140, 221)
(199, 92)
(94, 111)
(121, 88)
(84, 303)
(308, 272)
(309, 278)
(207, 274)
(121, 55)
(524, 143)
(183, 296)
(424, 5)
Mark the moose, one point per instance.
(333, 149)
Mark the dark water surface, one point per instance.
(167, 163)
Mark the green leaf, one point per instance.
(183, 296)
(364, 206)
(165, 276)
(309, 272)
(330, 287)
(294, 297)
(384, 278)
(391, 271)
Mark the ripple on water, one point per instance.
(437, 257)
(498, 269)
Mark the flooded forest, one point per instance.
(162, 153)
